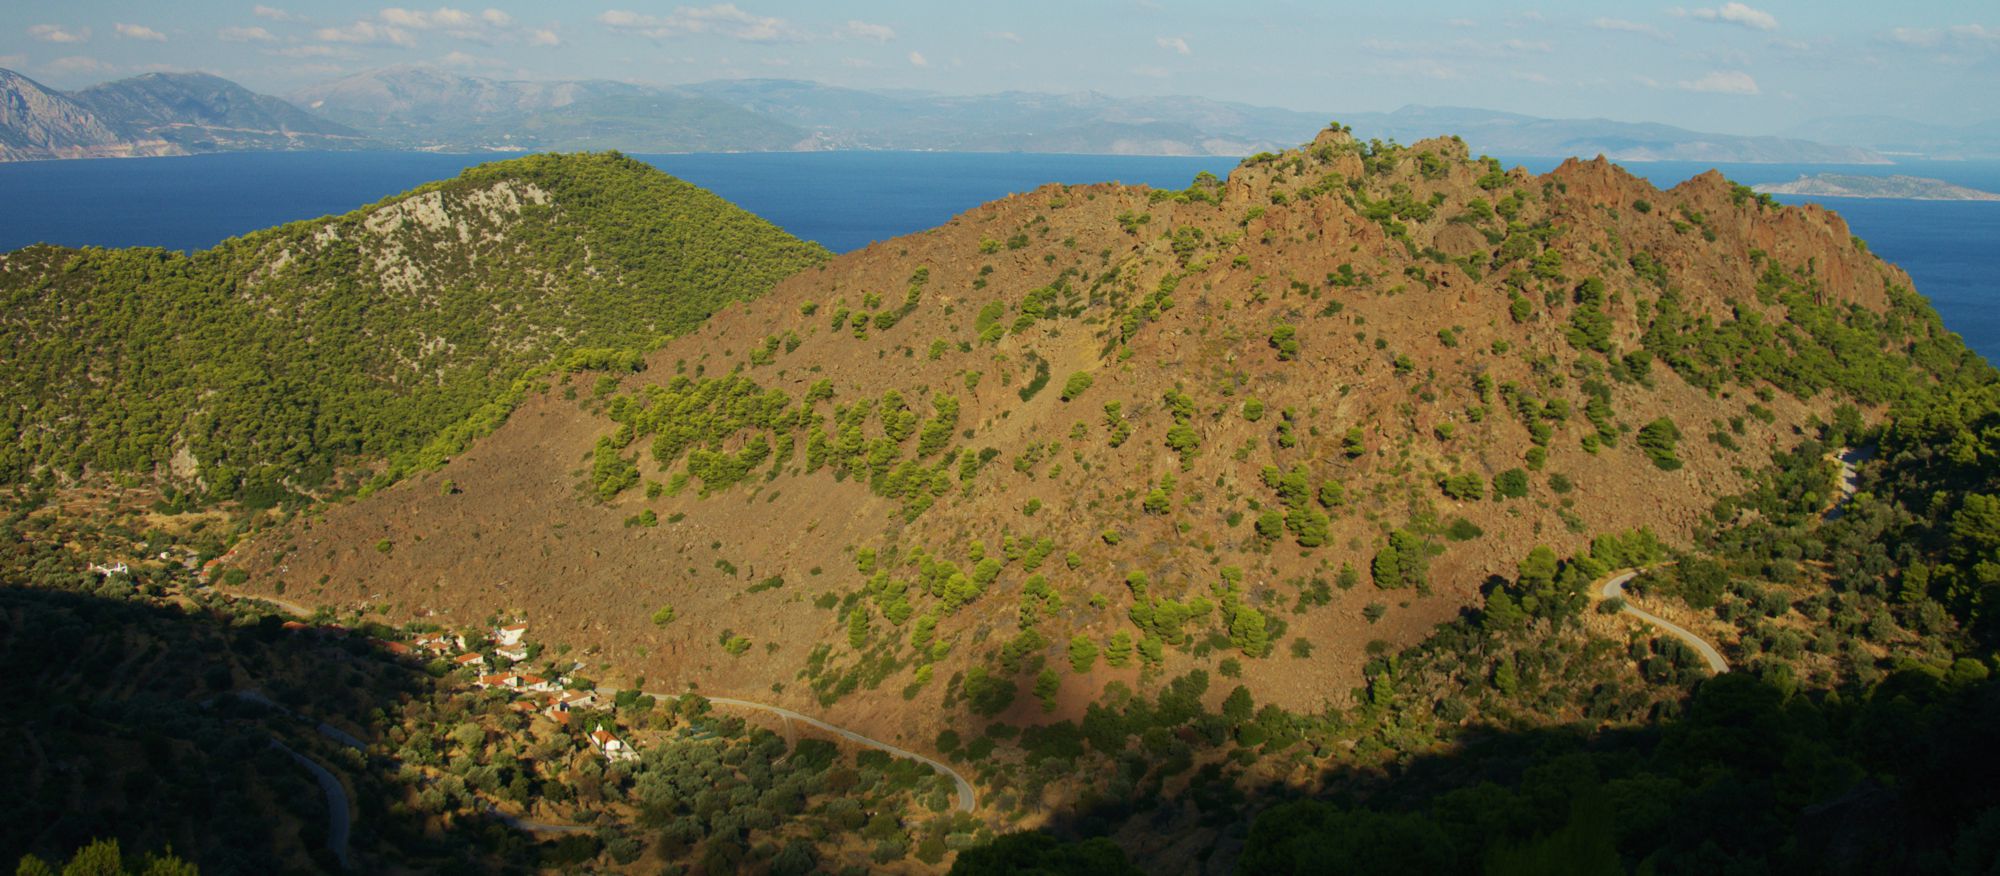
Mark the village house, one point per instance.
(470, 660)
(510, 635)
(516, 653)
(499, 679)
(610, 746)
(562, 704)
(439, 643)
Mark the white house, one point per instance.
(611, 746)
(510, 635)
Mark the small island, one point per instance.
(1847, 185)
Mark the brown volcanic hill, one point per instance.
(897, 435)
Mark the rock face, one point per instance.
(154, 114)
(39, 122)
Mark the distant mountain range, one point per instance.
(414, 107)
(155, 114)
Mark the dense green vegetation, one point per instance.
(396, 331)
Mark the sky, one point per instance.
(1728, 67)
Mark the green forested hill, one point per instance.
(277, 357)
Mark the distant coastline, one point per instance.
(1898, 186)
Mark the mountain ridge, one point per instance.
(155, 114)
(1083, 360)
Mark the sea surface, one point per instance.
(846, 200)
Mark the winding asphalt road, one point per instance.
(968, 799)
(1614, 588)
(337, 825)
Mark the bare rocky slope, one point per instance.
(40, 122)
(1273, 419)
(155, 114)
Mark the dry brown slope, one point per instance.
(522, 534)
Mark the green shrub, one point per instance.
(1285, 339)
(1658, 440)
(1076, 385)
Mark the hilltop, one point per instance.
(1288, 421)
(301, 359)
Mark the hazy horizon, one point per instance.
(1730, 67)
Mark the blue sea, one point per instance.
(846, 200)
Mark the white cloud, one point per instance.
(272, 13)
(1461, 22)
(857, 63)
(544, 37)
(13, 60)
(1623, 26)
(245, 35)
(1536, 47)
(1176, 44)
(1006, 35)
(1151, 72)
(365, 33)
(1532, 76)
(917, 59)
(1958, 35)
(1731, 13)
(55, 33)
(862, 30)
(1722, 82)
(721, 19)
(311, 51)
(419, 20)
(483, 27)
(139, 32)
(1921, 37)
(77, 64)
